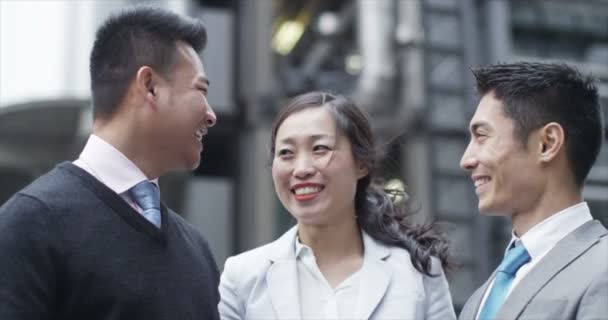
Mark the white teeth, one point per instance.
(307, 190)
(481, 181)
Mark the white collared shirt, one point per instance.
(111, 167)
(318, 299)
(541, 238)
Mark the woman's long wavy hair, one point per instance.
(382, 218)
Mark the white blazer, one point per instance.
(263, 284)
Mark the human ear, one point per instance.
(362, 171)
(146, 83)
(551, 139)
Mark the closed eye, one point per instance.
(480, 136)
(204, 91)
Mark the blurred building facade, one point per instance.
(405, 61)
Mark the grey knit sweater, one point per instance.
(70, 248)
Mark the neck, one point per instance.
(123, 136)
(333, 242)
(552, 201)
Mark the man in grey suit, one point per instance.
(535, 135)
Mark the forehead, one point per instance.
(308, 122)
(490, 113)
(188, 63)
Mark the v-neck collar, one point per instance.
(119, 206)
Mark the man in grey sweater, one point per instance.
(91, 239)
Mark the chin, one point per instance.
(307, 218)
(484, 204)
(194, 165)
(192, 161)
(485, 208)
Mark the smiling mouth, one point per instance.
(199, 134)
(481, 181)
(304, 191)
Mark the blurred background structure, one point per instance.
(405, 61)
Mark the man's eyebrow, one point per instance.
(475, 126)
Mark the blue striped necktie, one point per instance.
(147, 197)
(515, 258)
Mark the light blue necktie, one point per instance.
(147, 197)
(515, 258)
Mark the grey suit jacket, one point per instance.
(570, 282)
(263, 284)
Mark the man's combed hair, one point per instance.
(534, 94)
(140, 36)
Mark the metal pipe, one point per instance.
(376, 37)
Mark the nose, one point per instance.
(210, 117)
(468, 161)
(303, 167)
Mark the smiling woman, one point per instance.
(354, 254)
(314, 172)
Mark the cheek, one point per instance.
(493, 153)
(493, 157)
(280, 176)
(347, 181)
(516, 178)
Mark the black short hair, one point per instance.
(133, 38)
(534, 94)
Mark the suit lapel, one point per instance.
(375, 277)
(282, 277)
(471, 307)
(564, 252)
